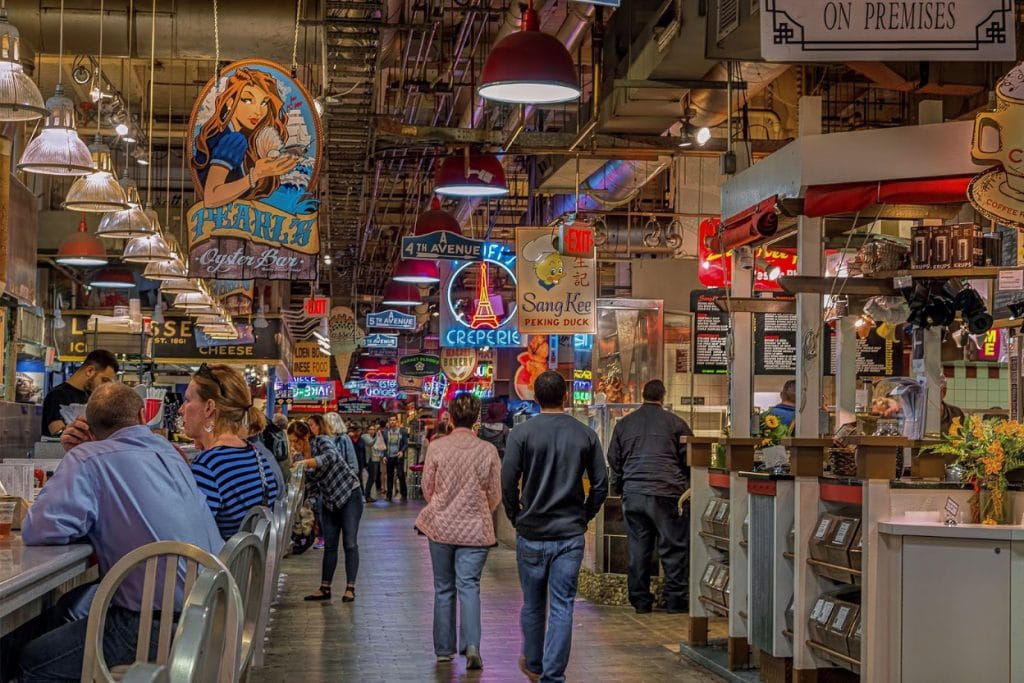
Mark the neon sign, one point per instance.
(582, 387)
(483, 316)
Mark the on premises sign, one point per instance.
(901, 30)
(478, 301)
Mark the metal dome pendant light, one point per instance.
(529, 67)
(82, 249)
(124, 225)
(99, 191)
(179, 286)
(58, 150)
(417, 272)
(399, 294)
(20, 99)
(471, 175)
(172, 269)
(436, 220)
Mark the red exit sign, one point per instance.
(576, 240)
(316, 305)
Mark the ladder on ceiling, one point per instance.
(353, 31)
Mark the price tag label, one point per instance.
(952, 507)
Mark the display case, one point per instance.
(628, 348)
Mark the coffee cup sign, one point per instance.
(998, 140)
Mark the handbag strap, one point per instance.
(263, 476)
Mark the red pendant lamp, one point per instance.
(529, 67)
(471, 175)
(436, 220)
(417, 272)
(401, 294)
(82, 249)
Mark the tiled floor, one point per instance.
(385, 635)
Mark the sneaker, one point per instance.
(532, 675)
(444, 659)
(473, 659)
(318, 544)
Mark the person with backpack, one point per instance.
(494, 430)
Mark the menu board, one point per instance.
(711, 333)
(876, 357)
(775, 343)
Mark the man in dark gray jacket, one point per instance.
(648, 469)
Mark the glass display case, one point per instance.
(628, 348)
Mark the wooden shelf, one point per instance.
(806, 284)
(715, 606)
(714, 537)
(946, 273)
(832, 654)
(835, 567)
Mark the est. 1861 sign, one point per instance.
(254, 158)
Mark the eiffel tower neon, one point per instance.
(483, 317)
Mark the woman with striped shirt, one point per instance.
(232, 475)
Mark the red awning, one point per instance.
(829, 200)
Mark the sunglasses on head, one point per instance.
(205, 372)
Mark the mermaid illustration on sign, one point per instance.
(255, 156)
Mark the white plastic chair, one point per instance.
(174, 557)
(244, 557)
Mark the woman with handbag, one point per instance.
(341, 505)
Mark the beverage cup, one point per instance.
(6, 517)
(1008, 126)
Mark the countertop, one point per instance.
(29, 571)
(904, 527)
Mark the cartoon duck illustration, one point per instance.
(547, 262)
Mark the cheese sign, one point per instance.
(458, 365)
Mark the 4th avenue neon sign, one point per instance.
(478, 326)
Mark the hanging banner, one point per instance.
(235, 295)
(900, 31)
(391, 319)
(458, 365)
(419, 365)
(998, 193)
(254, 158)
(478, 301)
(556, 294)
(309, 361)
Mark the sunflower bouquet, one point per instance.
(772, 430)
(986, 451)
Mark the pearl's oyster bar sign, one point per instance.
(254, 158)
(870, 30)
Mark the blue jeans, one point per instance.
(55, 646)
(548, 573)
(457, 569)
(341, 525)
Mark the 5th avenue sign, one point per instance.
(442, 245)
(381, 341)
(391, 319)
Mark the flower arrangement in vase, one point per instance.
(986, 451)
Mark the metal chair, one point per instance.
(271, 542)
(244, 557)
(176, 578)
(251, 522)
(210, 626)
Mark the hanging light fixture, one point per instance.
(529, 67)
(158, 308)
(20, 99)
(172, 269)
(82, 249)
(471, 175)
(58, 150)
(113, 278)
(193, 300)
(131, 189)
(690, 134)
(99, 191)
(436, 220)
(180, 286)
(400, 294)
(418, 272)
(147, 249)
(124, 225)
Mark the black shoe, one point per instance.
(323, 594)
(678, 607)
(644, 610)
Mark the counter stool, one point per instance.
(415, 477)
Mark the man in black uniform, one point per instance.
(648, 469)
(99, 367)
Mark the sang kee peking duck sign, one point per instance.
(254, 158)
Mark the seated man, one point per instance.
(123, 489)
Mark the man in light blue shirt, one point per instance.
(122, 490)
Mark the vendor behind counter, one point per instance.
(99, 367)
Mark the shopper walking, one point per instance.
(373, 444)
(341, 505)
(547, 458)
(648, 469)
(462, 486)
(397, 441)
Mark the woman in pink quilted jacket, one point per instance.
(462, 486)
